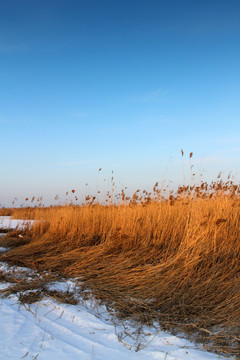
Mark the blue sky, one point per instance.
(121, 85)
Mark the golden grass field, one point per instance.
(173, 261)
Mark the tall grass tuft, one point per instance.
(174, 260)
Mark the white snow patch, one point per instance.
(48, 330)
(7, 223)
(3, 249)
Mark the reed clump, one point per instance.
(171, 260)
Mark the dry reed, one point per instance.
(174, 261)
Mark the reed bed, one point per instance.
(171, 261)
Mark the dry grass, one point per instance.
(7, 211)
(174, 261)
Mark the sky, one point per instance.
(121, 85)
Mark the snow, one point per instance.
(7, 223)
(47, 330)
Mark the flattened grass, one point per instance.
(173, 261)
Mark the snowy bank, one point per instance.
(47, 330)
(7, 223)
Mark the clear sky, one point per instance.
(117, 84)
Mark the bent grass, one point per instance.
(174, 261)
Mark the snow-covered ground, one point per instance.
(47, 330)
(7, 223)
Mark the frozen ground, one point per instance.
(7, 223)
(47, 330)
